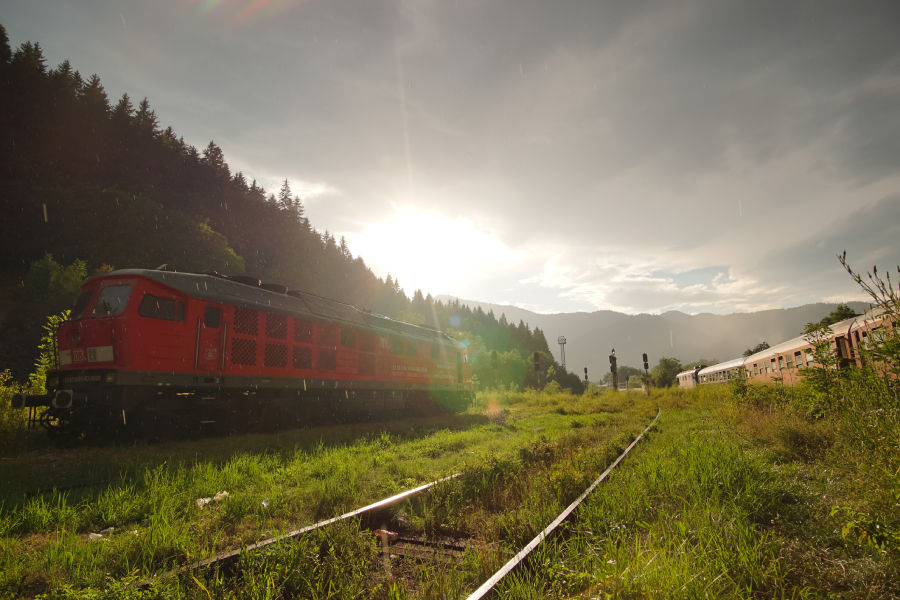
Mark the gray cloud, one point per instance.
(657, 137)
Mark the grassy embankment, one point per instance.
(277, 482)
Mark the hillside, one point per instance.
(589, 336)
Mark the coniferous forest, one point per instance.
(89, 184)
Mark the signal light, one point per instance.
(537, 361)
(645, 357)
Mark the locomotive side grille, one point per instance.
(276, 355)
(303, 331)
(243, 352)
(366, 364)
(327, 360)
(302, 357)
(366, 342)
(328, 336)
(246, 321)
(276, 326)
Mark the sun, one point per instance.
(430, 252)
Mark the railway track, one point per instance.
(487, 588)
(412, 546)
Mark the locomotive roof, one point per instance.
(308, 306)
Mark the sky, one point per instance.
(558, 156)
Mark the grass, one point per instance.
(724, 498)
(148, 493)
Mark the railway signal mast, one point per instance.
(646, 374)
(561, 340)
(614, 370)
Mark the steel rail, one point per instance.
(487, 588)
(231, 557)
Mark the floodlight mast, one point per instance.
(561, 340)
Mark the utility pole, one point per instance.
(561, 340)
(614, 370)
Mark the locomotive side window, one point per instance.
(348, 338)
(397, 346)
(410, 348)
(81, 304)
(112, 300)
(435, 352)
(161, 308)
(212, 316)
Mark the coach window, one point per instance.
(780, 363)
(798, 359)
(348, 338)
(212, 317)
(772, 362)
(790, 362)
(112, 300)
(397, 346)
(435, 353)
(755, 369)
(810, 358)
(410, 348)
(161, 308)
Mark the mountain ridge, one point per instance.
(675, 334)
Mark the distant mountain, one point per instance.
(590, 336)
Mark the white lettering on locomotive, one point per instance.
(409, 368)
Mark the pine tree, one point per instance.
(145, 119)
(5, 49)
(123, 111)
(214, 159)
(284, 198)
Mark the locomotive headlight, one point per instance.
(52, 382)
(110, 377)
(76, 337)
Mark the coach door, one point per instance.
(458, 367)
(210, 328)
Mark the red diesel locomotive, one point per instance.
(144, 348)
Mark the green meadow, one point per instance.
(735, 492)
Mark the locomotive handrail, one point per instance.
(197, 346)
(224, 345)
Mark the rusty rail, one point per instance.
(227, 559)
(487, 588)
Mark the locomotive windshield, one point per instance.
(81, 304)
(112, 300)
